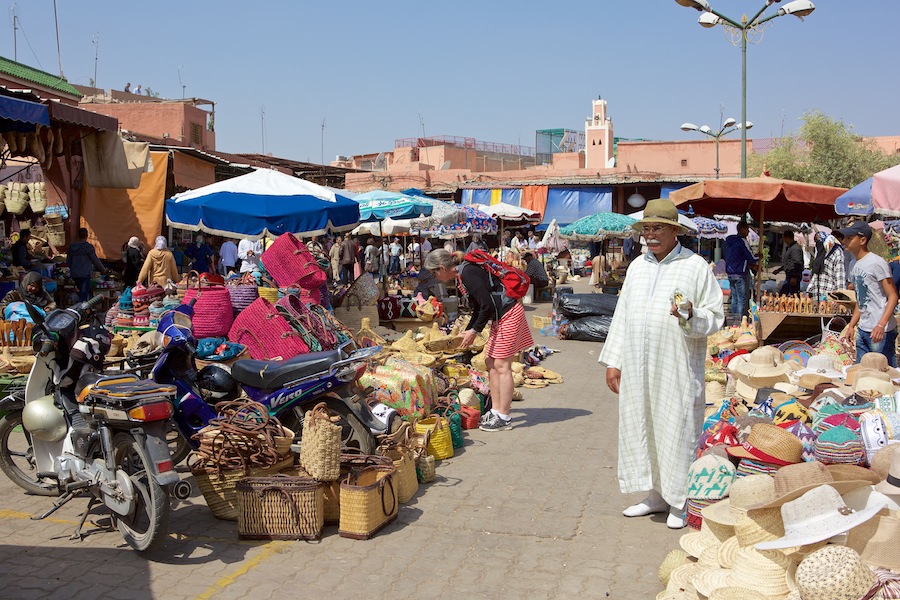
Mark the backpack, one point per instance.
(515, 282)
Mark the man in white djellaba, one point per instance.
(655, 357)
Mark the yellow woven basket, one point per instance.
(368, 501)
(270, 294)
(280, 508)
(407, 482)
(440, 444)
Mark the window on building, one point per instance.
(683, 162)
(196, 133)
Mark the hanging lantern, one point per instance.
(636, 200)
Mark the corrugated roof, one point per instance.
(26, 73)
(85, 118)
(599, 180)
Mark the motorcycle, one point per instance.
(90, 433)
(286, 388)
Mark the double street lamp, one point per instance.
(739, 33)
(727, 127)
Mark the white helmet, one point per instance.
(44, 420)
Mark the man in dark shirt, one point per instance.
(791, 264)
(738, 259)
(536, 271)
(21, 256)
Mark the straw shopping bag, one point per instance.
(405, 463)
(289, 262)
(320, 444)
(243, 292)
(267, 289)
(213, 314)
(280, 508)
(352, 311)
(450, 411)
(440, 444)
(368, 501)
(265, 333)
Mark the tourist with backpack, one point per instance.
(494, 290)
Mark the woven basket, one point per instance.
(407, 482)
(289, 262)
(440, 445)
(269, 293)
(219, 488)
(213, 314)
(442, 344)
(425, 470)
(280, 508)
(352, 312)
(419, 358)
(243, 292)
(320, 445)
(540, 322)
(368, 501)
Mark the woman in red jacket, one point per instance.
(509, 327)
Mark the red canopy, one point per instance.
(763, 197)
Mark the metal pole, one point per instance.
(744, 101)
(717, 154)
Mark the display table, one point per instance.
(777, 327)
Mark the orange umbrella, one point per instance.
(763, 197)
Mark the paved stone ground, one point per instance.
(534, 512)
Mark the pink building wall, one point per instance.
(170, 120)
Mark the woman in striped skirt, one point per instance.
(509, 328)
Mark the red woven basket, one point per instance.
(213, 313)
(266, 334)
(289, 262)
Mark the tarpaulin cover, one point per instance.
(22, 115)
(111, 216)
(111, 162)
(263, 202)
(575, 306)
(534, 197)
(489, 196)
(667, 188)
(586, 329)
(568, 204)
(784, 200)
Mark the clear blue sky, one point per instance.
(494, 70)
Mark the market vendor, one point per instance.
(30, 290)
(21, 255)
(536, 271)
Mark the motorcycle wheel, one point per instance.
(147, 525)
(353, 433)
(17, 457)
(179, 447)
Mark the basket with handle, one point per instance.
(352, 311)
(440, 443)
(265, 333)
(243, 292)
(368, 501)
(280, 507)
(213, 315)
(405, 463)
(305, 322)
(320, 447)
(289, 262)
(450, 411)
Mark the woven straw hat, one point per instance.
(737, 593)
(792, 481)
(770, 443)
(763, 369)
(875, 361)
(891, 484)
(680, 579)
(765, 571)
(660, 210)
(820, 364)
(708, 580)
(815, 516)
(709, 558)
(710, 534)
(679, 595)
(881, 462)
(728, 552)
(672, 561)
(745, 492)
(876, 541)
(834, 568)
(758, 526)
(874, 384)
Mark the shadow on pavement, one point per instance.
(529, 417)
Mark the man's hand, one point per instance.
(690, 310)
(613, 376)
(877, 333)
(468, 337)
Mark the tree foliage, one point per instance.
(823, 151)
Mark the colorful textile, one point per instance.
(754, 467)
(510, 335)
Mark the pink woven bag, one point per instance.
(296, 306)
(266, 334)
(289, 262)
(213, 313)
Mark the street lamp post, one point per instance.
(727, 127)
(739, 33)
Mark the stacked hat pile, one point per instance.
(125, 315)
(142, 297)
(811, 511)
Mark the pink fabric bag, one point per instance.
(289, 262)
(266, 334)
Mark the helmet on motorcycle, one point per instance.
(216, 382)
(44, 420)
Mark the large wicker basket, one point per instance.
(368, 501)
(280, 508)
(407, 483)
(219, 491)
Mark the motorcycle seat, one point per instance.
(273, 374)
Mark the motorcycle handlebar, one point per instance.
(46, 347)
(95, 301)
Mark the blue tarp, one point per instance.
(264, 202)
(857, 200)
(22, 115)
(512, 196)
(667, 188)
(568, 204)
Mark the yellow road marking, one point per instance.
(14, 514)
(254, 562)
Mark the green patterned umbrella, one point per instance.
(598, 227)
